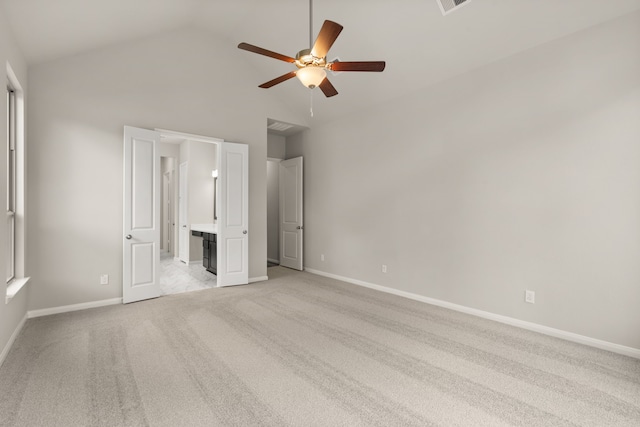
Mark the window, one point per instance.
(11, 183)
(15, 190)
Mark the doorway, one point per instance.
(285, 227)
(197, 164)
(147, 243)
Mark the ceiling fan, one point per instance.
(312, 63)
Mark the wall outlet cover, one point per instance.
(530, 297)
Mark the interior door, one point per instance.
(291, 226)
(141, 238)
(183, 231)
(233, 214)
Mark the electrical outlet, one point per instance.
(321, 257)
(384, 268)
(530, 297)
(104, 279)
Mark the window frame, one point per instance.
(11, 182)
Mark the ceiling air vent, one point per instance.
(279, 126)
(447, 6)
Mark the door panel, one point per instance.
(143, 180)
(234, 264)
(142, 255)
(291, 213)
(141, 240)
(290, 245)
(233, 217)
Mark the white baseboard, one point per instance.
(569, 336)
(12, 339)
(275, 261)
(74, 307)
(258, 279)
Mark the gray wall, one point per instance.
(276, 146)
(170, 81)
(11, 314)
(522, 174)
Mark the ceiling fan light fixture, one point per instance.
(311, 76)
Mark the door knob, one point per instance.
(244, 231)
(128, 236)
(299, 227)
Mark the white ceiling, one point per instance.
(421, 47)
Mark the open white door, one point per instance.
(141, 215)
(291, 227)
(233, 215)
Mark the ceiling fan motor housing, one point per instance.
(305, 58)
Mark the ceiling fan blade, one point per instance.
(358, 66)
(265, 52)
(327, 88)
(282, 78)
(327, 35)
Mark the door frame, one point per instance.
(164, 133)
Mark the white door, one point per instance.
(233, 214)
(141, 215)
(183, 230)
(291, 227)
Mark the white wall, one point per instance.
(13, 313)
(172, 81)
(522, 174)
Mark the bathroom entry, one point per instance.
(142, 212)
(188, 271)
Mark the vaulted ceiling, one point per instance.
(420, 45)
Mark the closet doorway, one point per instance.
(285, 219)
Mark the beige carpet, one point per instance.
(304, 350)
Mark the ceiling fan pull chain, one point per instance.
(311, 102)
